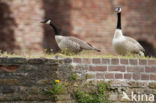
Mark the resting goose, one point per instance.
(71, 44)
(124, 45)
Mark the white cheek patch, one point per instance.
(120, 10)
(48, 22)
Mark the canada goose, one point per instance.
(124, 45)
(71, 44)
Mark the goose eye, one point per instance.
(116, 9)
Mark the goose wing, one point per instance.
(83, 44)
(69, 45)
(134, 45)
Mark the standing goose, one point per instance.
(124, 45)
(71, 44)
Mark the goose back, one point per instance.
(69, 45)
(83, 44)
(73, 44)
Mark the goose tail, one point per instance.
(93, 48)
(141, 53)
(97, 50)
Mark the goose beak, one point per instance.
(43, 21)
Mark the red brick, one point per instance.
(116, 68)
(90, 76)
(105, 61)
(136, 76)
(123, 61)
(77, 60)
(86, 60)
(85, 27)
(151, 62)
(98, 68)
(144, 77)
(109, 76)
(78, 68)
(100, 75)
(143, 62)
(153, 77)
(133, 61)
(96, 61)
(135, 69)
(127, 76)
(150, 69)
(118, 76)
(10, 68)
(114, 61)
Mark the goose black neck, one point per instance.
(55, 29)
(119, 21)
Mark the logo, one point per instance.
(138, 97)
(125, 97)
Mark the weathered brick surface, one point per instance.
(133, 61)
(152, 77)
(114, 61)
(86, 61)
(96, 61)
(24, 79)
(24, 32)
(143, 62)
(100, 75)
(90, 76)
(109, 75)
(98, 68)
(127, 76)
(118, 76)
(152, 85)
(9, 68)
(123, 61)
(136, 76)
(151, 69)
(151, 62)
(77, 60)
(135, 69)
(105, 61)
(145, 77)
(116, 68)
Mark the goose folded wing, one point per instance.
(134, 45)
(70, 45)
(83, 44)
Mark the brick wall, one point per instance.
(22, 30)
(117, 69)
(90, 20)
(23, 80)
(95, 22)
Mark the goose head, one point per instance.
(46, 21)
(51, 23)
(118, 9)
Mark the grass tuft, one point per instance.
(83, 54)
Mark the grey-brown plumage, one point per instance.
(69, 43)
(125, 45)
(72, 44)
